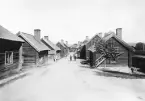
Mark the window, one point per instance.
(116, 49)
(8, 57)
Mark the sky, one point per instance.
(73, 20)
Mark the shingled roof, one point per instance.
(50, 44)
(36, 44)
(7, 35)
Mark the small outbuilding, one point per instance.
(54, 50)
(35, 52)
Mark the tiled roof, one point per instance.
(7, 35)
(50, 44)
(36, 44)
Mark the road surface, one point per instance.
(67, 81)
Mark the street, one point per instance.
(66, 81)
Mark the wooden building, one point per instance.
(54, 50)
(115, 40)
(10, 52)
(73, 48)
(87, 43)
(121, 47)
(35, 52)
(63, 48)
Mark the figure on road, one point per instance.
(74, 57)
(70, 58)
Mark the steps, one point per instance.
(100, 60)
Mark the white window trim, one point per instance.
(11, 60)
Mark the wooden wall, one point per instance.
(7, 45)
(124, 58)
(29, 55)
(90, 43)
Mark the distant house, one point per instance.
(35, 52)
(54, 50)
(73, 48)
(115, 40)
(10, 52)
(90, 46)
(67, 47)
(83, 49)
(63, 48)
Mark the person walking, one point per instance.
(54, 58)
(74, 57)
(70, 58)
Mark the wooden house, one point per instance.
(73, 48)
(35, 52)
(115, 41)
(10, 52)
(63, 48)
(87, 43)
(54, 50)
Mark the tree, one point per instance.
(140, 46)
(107, 50)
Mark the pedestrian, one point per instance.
(74, 57)
(132, 70)
(70, 58)
(54, 58)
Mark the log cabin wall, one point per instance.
(90, 43)
(29, 55)
(9, 56)
(121, 60)
(83, 52)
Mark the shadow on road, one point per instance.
(118, 74)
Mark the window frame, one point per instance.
(9, 55)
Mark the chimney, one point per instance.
(119, 33)
(46, 38)
(87, 38)
(62, 41)
(100, 34)
(66, 42)
(78, 42)
(37, 34)
(106, 34)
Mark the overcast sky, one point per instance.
(72, 20)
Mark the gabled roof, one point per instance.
(66, 45)
(7, 35)
(74, 46)
(62, 44)
(112, 35)
(93, 37)
(50, 44)
(92, 48)
(36, 44)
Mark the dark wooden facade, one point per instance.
(10, 56)
(84, 52)
(10, 53)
